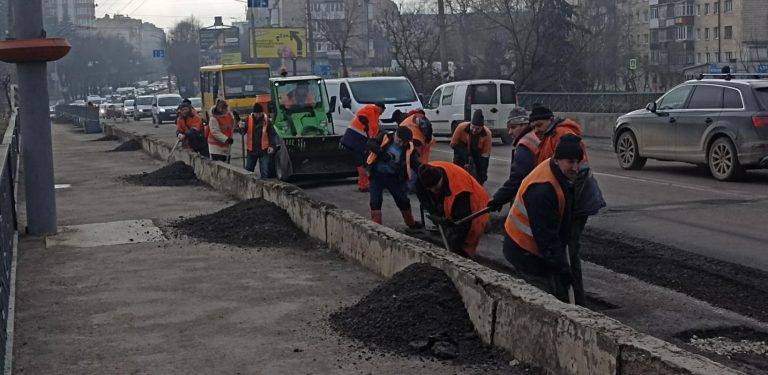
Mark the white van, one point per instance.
(397, 93)
(142, 107)
(453, 103)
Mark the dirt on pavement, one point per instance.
(419, 312)
(253, 223)
(175, 174)
(130, 145)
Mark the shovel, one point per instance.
(242, 148)
(473, 216)
(173, 150)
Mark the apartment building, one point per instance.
(145, 37)
(733, 33)
(77, 12)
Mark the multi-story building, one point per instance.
(145, 37)
(672, 42)
(77, 12)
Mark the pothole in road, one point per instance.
(742, 345)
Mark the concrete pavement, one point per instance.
(177, 305)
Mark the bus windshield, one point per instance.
(299, 94)
(383, 91)
(246, 83)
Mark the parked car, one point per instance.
(164, 107)
(128, 108)
(397, 93)
(142, 107)
(453, 103)
(714, 122)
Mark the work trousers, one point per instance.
(478, 167)
(263, 160)
(197, 142)
(392, 183)
(574, 251)
(535, 271)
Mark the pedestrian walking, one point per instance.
(471, 143)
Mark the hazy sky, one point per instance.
(165, 13)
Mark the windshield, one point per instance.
(384, 91)
(246, 83)
(129, 102)
(196, 102)
(762, 95)
(299, 94)
(144, 101)
(169, 101)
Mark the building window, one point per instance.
(698, 9)
(707, 56)
(715, 33)
(729, 56)
(706, 9)
(728, 32)
(728, 6)
(645, 38)
(698, 58)
(645, 15)
(716, 7)
(654, 13)
(698, 34)
(706, 33)
(682, 33)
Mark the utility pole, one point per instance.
(441, 26)
(35, 125)
(310, 38)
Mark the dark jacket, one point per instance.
(551, 233)
(382, 156)
(434, 205)
(258, 125)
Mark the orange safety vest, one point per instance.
(423, 146)
(550, 142)
(532, 142)
(460, 181)
(371, 112)
(517, 225)
(264, 133)
(372, 157)
(462, 136)
(227, 127)
(185, 124)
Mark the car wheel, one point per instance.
(723, 160)
(628, 153)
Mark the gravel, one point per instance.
(131, 145)
(176, 174)
(252, 223)
(742, 348)
(419, 312)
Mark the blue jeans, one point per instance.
(263, 160)
(395, 186)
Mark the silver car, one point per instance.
(721, 123)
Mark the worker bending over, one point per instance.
(221, 128)
(364, 127)
(471, 143)
(449, 193)
(190, 130)
(392, 162)
(260, 142)
(421, 128)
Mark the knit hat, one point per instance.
(381, 105)
(398, 116)
(541, 113)
(257, 108)
(429, 176)
(405, 134)
(477, 118)
(517, 116)
(569, 148)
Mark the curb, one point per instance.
(531, 325)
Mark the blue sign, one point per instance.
(762, 68)
(323, 70)
(258, 3)
(158, 53)
(714, 69)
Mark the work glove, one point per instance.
(230, 141)
(495, 206)
(180, 136)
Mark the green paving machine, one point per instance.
(309, 148)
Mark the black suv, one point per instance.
(720, 122)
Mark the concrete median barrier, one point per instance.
(531, 325)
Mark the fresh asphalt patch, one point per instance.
(130, 145)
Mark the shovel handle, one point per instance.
(473, 216)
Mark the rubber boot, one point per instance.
(376, 216)
(363, 183)
(410, 221)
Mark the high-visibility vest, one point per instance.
(424, 146)
(264, 133)
(517, 225)
(460, 181)
(227, 127)
(372, 157)
(371, 112)
(462, 136)
(550, 142)
(532, 142)
(184, 124)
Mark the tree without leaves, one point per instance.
(184, 54)
(342, 34)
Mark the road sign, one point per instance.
(258, 3)
(762, 68)
(323, 70)
(279, 42)
(632, 64)
(158, 53)
(231, 58)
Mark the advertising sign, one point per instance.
(216, 41)
(279, 43)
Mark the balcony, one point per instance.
(653, 23)
(684, 20)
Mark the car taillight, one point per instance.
(760, 121)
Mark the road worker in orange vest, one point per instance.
(364, 127)
(471, 143)
(221, 128)
(392, 163)
(539, 222)
(449, 193)
(190, 129)
(421, 128)
(261, 142)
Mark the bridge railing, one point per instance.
(80, 116)
(9, 161)
(609, 102)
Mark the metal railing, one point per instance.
(80, 116)
(609, 102)
(9, 152)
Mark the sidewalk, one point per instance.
(176, 305)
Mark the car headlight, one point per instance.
(162, 110)
(102, 111)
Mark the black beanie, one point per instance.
(540, 113)
(569, 148)
(429, 176)
(477, 118)
(257, 108)
(404, 133)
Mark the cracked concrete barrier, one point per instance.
(531, 325)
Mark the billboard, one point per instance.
(216, 41)
(278, 43)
